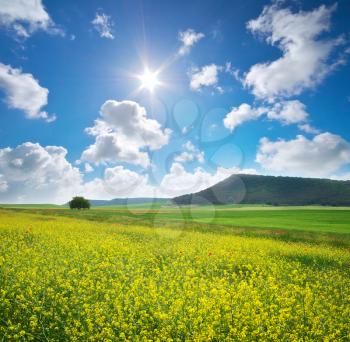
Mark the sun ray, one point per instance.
(149, 80)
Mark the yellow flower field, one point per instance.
(69, 279)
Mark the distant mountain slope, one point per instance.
(127, 201)
(256, 189)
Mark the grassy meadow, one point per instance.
(161, 273)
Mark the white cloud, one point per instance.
(184, 157)
(121, 182)
(307, 128)
(204, 77)
(26, 17)
(88, 168)
(24, 92)
(3, 185)
(343, 176)
(122, 133)
(32, 173)
(118, 182)
(241, 114)
(306, 57)
(321, 156)
(208, 76)
(179, 181)
(233, 71)
(188, 145)
(109, 147)
(288, 112)
(190, 154)
(188, 38)
(103, 24)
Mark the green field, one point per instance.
(312, 224)
(155, 273)
(319, 219)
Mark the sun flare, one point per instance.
(149, 80)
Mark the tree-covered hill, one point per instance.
(257, 189)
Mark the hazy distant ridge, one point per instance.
(127, 201)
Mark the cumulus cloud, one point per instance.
(188, 38)
(24, 92)
(108, 147)
(204, 77)
(103, 24)
(208, 76)
(306, 58)
(178, 181)
(123, 133)
(32, 173)
(321, 156)
(190, 154)
(286, 112)
(119, 182)
(241, 114)
(26, 17)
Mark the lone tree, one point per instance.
(79, 203)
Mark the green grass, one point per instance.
(331, 220)
(316, 225)
(324, 220)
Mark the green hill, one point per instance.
(257, 189)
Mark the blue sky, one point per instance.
(251, 87)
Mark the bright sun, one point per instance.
(149, 80)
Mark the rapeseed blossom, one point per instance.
(69, 279)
